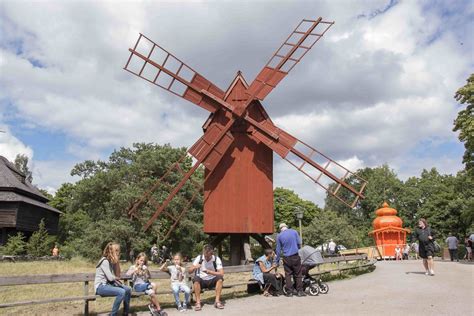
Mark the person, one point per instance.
(425, 237)
(55, 251)
(107, 279)
(468, 244)
(209, 274)
(288, 243)
(131, 254)
(452, 243)
(398, 253)
(332, 247)
(262, 272)
(415, 248)
(178, 281)
(406, 251)
(140, 277)
(154, 253)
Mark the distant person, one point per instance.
(452, 243)
(154, 253)
(398, 253)
(131, 255)
(107, 279)
(425, 236)
(262, 272)
(288, 244)
(468, 244)
(209, 274)
(406, 251)
(332, 247)
(55, 251)
(415, 248)
(178, 281)
(141, 283)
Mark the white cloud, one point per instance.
(10, 146)
(370, 91)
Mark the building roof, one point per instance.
(15, 188)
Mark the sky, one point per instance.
(376, 89)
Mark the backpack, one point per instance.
(201, 259)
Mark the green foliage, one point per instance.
(16, 245)
(286, 202)
(96, 207)
(40, 242)
(21, 163)
(464, 123)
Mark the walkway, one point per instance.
(393, 288)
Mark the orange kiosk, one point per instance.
(388, 231)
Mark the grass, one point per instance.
(102, 305)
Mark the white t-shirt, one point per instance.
(332, 246)
(207, 265)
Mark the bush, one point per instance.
(16, 245)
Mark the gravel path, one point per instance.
(394, 288)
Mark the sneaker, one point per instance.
(185, 307)
(432, 272)
(152, 309)
(289, 294)
(427, 273)
(181, 309)
(301, 293)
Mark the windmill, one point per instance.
(238, 143)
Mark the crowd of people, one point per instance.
(208, 270)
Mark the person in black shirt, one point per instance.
(425, 236)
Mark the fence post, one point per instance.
(86, 302)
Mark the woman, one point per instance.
(107, 279)
(262, 272)
(426, 249)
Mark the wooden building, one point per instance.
(22, 206)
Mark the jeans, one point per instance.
(121, 293)
(177, 287)
(142, 287)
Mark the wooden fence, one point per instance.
(89, 277)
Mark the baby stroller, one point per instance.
(310, 258)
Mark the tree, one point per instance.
(40, 242)
(464, 123)
(21, 163)
(286, 201)
(16, 245)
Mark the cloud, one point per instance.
(379, 84)
(10, 146)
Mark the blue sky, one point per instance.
(378, 88)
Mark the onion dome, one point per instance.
(386, 217)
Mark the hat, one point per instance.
(283, 225)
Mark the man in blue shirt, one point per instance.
(288, 242)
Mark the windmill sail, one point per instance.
(156, 65)
(297, 44)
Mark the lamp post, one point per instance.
(299, 212)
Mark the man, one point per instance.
(209, 274)
(332, 247)
(452, 243)
(288, 242)
(154, 253)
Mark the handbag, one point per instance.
(437, 247)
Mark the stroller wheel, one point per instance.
(323, 288)
(313, 290)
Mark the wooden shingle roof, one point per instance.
(15, 188)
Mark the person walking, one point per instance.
(468, 244)
(288, 243)
(332, 247)
(452, 243)
(425, 236)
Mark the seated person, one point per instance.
(262, 272)
(209, 274)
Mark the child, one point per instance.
(398, 253)
(178, 281)
(107, 279)
(140, 278)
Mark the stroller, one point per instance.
(310, 258)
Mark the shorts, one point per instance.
(469, 249)
(426, 250)
(208, 284)
(142, 287)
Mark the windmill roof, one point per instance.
(14, 187)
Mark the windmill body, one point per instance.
(238, 143)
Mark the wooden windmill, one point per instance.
(238, 142)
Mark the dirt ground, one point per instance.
(394, 288)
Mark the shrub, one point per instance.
(40, 243)
(16, 245)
